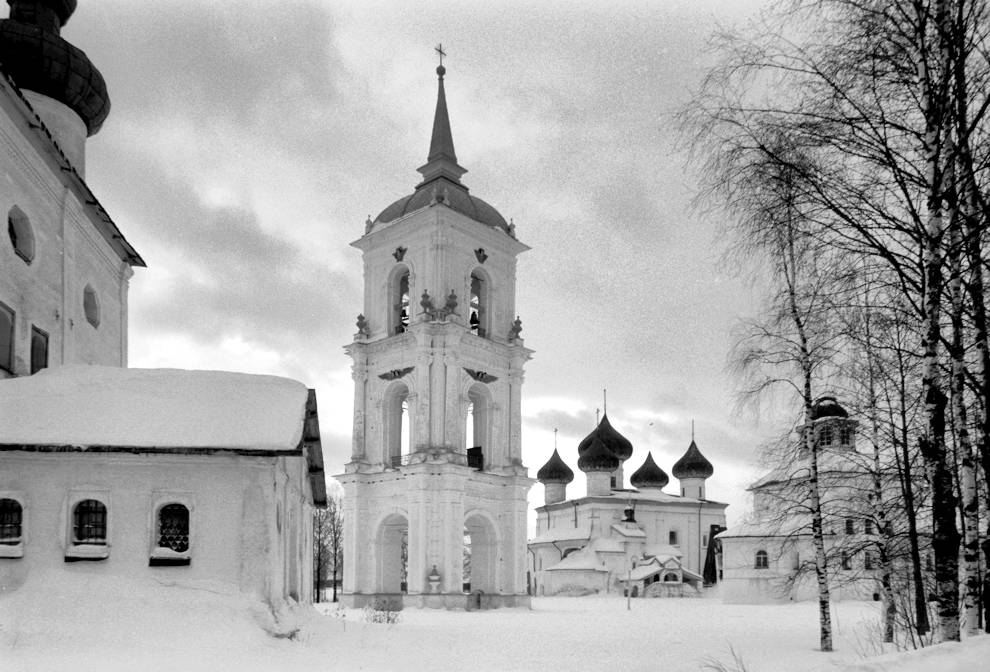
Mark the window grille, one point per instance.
(11, 517)
(89, 522)
(173, 528)
(850, 526)
(762, 560)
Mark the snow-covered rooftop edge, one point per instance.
(82, 405)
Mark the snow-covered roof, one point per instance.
(662, 551)
(582, 532)
(628, 529)
(624, 497)
(584, 559)
(781, 527)
(83, 405)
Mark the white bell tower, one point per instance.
(435, 469)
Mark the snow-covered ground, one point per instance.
(97, 623)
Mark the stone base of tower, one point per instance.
(466, 601)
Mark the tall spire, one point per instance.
(442, 160)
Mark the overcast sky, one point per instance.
(249, 140)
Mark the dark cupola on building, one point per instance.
(615, 442)
(65, 89)
(650, 475)
(599, 463)
(555, 475)
(827, 407)
(692, 470)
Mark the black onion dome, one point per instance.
(649, 475)
(35, 56)
(620, 446)
(586, 442)
(598, 458)
(692, 464)
(555, 471)
(827, 407)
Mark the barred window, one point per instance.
(869, 562)
(850, 526)
(868, 526)
(845, 435)
(173, 528)
(762, 560)
(89, 522)
(827, 436)
(846, 560)
(11, 517)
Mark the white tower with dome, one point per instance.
(436, 469)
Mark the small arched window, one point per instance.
(91, 306)
(173, 528)
(845, 436)
(762, 561)
(672, 538)
(827, 436)
(89, 522)
(11, 519)
(20, 233)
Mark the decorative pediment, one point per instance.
(480, 376)
(395, 373)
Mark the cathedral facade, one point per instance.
(436, 472)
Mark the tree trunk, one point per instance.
(945, 534)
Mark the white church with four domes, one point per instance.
(639, 539)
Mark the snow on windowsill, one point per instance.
(87, 552)
(12, 550)
(166, 557)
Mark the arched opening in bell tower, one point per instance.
(398, 294)
(392, 550)
(397, 424)
(477, 425)
(480, 313)
(480, 555)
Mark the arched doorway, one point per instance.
(481, 555)
(392, 554)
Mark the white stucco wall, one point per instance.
(250, 527)
(69, 254)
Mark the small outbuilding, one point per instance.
(188, 478)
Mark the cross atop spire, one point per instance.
(441, 53)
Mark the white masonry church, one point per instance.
(182, 478)
(438, 369)
(640, 539)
